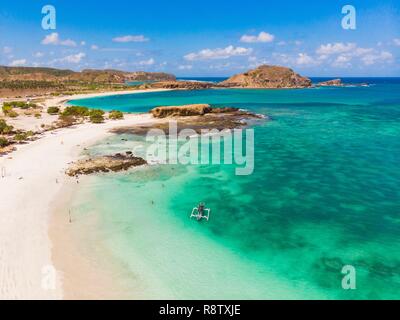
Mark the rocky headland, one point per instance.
(197, 117)
(331, 83)
(87, 75)
(178, 85)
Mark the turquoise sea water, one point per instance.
(325, 193)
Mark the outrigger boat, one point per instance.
(200, 212)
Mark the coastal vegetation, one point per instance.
(20, 104)
(53, 110)
(4, 142)
(65, 121)
(4, 127)
(8, 111)
(9, 108)
(71, 114)
(8, 135)
(75, 111)
(96, 116)
(23, 136)
(115, 115)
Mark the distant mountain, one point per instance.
(88, 75)
(266, 76)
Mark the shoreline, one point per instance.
(47, 238)
(85, 273)
(34, 189)
(61, 101)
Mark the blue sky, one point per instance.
(204, 38)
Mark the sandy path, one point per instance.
(33, 178)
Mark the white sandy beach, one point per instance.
(34, 124)
(34, 177)
(57, 101)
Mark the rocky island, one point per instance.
(268, 77)
(331, 83)
(265, 76)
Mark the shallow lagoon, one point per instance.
(325, 193)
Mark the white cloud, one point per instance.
(68, 43)
(94, 47)
(7, 50)
(131, 38)
(218, 53)
(342, 61)
(38, 54)
(74, 58)
(382, 57)
(301, 59)
(51, 39)
(17, 63)
(83, 43)
(335, 48)
(261, 37)
(396, 42)
(255, 62)
(281, 58)
(304, 59)
(148, 62)
(54, 39)
(185, 67)
(343, 54)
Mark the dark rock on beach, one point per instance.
(113, 163)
